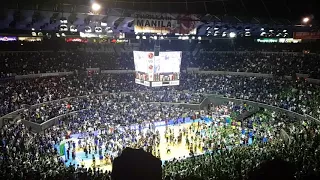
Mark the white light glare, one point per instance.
(199, 38)
(96, 7)
(262, 29)
(144, 37)
(137, 37)
(232, 34)
(306, 20)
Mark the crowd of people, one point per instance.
(228, 149)
(42, 112)
(232, 150)
(295, 95)
(205, 57)
(259, 161)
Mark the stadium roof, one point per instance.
(293, 10)
(119, 15)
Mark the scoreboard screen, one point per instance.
(155, 71)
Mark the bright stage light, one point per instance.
(96, 7)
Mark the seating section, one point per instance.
(221, 145)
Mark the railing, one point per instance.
(10, 119)
(213, 98)
(210, 98)
(28, 76)
(53, 121)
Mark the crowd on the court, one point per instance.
(136, 127)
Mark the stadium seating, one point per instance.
(287, 80)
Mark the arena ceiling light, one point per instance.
(247, 34)
(95, 7)
(98, 29)
(305, 20)
(232, 35)
(73, 28)
(63, 27)
(87, 29)
(224, 34)
(104, 24)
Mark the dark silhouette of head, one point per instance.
(136, 164)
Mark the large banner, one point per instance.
(306, 35)
(165, 23)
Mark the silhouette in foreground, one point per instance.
(136, 164)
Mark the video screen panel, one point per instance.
(162, 70)
(141, 59)
(168, 62)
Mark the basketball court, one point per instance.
(177, 150)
